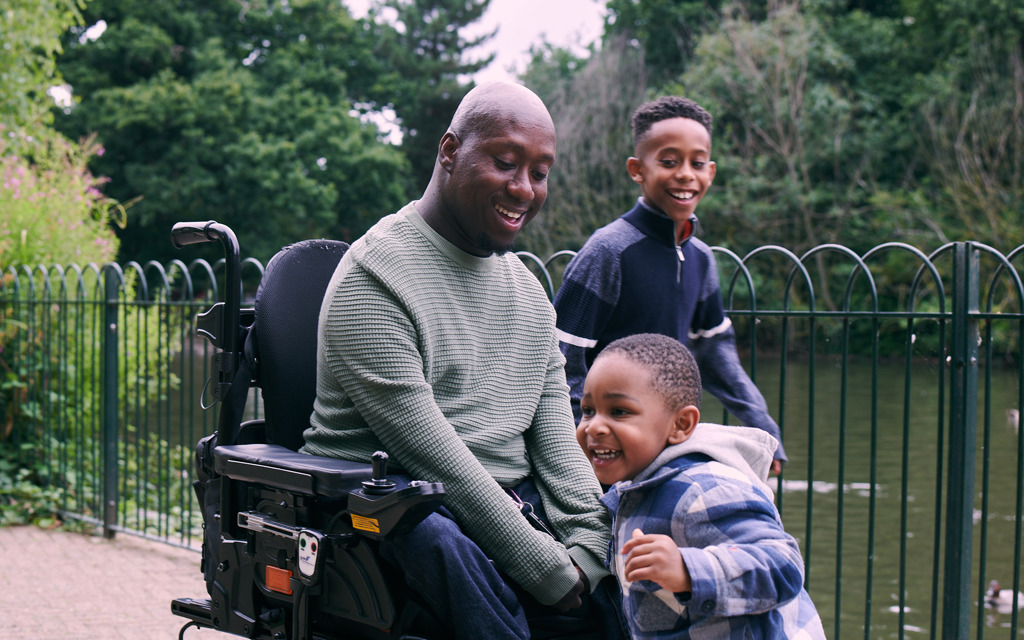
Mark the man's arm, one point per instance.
(565, 479)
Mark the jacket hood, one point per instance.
(746, 449)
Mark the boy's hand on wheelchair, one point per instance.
(571, 600)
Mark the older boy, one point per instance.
(698, 545)
(646, 272)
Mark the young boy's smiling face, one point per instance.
(673, 167)
(626, 423)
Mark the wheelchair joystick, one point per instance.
(379, 483)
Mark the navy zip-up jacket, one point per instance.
(631, 277)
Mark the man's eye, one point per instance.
(503, 165)
(540, 176)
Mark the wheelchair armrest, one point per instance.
(280, 467)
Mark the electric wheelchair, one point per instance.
(290, 540)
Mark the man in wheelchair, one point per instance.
(438, 346)
(433, 349)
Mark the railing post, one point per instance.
(110, 405)
(963, 414)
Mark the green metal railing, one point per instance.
(895, 376)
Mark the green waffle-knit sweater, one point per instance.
(449, 363)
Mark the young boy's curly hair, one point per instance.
(664, 108)
(671, 366)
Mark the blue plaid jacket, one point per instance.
(709, 495)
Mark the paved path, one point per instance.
(71, 586)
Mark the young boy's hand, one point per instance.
(656, 557)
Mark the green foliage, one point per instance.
(588, 186)
(238, 113)
(53, 209)
(666, 30)
(422, 45)
(972, 141)
(25, 497)
(783, 118)
(30, 31)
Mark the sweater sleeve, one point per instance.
(565, 479)
(584, 303)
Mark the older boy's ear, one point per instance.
(686, 421)
(446, 150)
(714, 170)
(633, 166)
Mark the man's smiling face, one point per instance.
(498, 179)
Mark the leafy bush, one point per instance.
(54, 212)
(56, 242)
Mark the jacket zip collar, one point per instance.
(660, 227)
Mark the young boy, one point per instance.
(698, 545)
(646, 272)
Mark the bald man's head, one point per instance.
(492, 166)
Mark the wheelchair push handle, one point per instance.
(228, 316)
(184, 234)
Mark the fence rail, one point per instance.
(896, 376)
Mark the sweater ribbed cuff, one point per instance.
(593, 568)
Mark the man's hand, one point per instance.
(572, 599)
(656, 558)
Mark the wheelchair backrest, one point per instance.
(285, 333)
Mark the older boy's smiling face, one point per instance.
(625, 423)
(673, 166)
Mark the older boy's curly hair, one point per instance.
(664, 108)
(671, 366)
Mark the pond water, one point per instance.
(831, 483)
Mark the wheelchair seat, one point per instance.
(289, 542)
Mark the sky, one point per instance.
(522, 23)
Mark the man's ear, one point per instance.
(633, 166)
(686, 421)
(447, 150)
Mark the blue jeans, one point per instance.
(461, 585)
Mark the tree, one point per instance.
(972, 136)
(31, 39)
(667, 31)
(236, 112)
(422, 44)
(591, 105)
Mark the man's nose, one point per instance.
(519, 187)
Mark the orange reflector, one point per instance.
(279, 580)
(366, 524)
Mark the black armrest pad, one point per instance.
(278, 466)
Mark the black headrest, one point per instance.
(287, 312)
